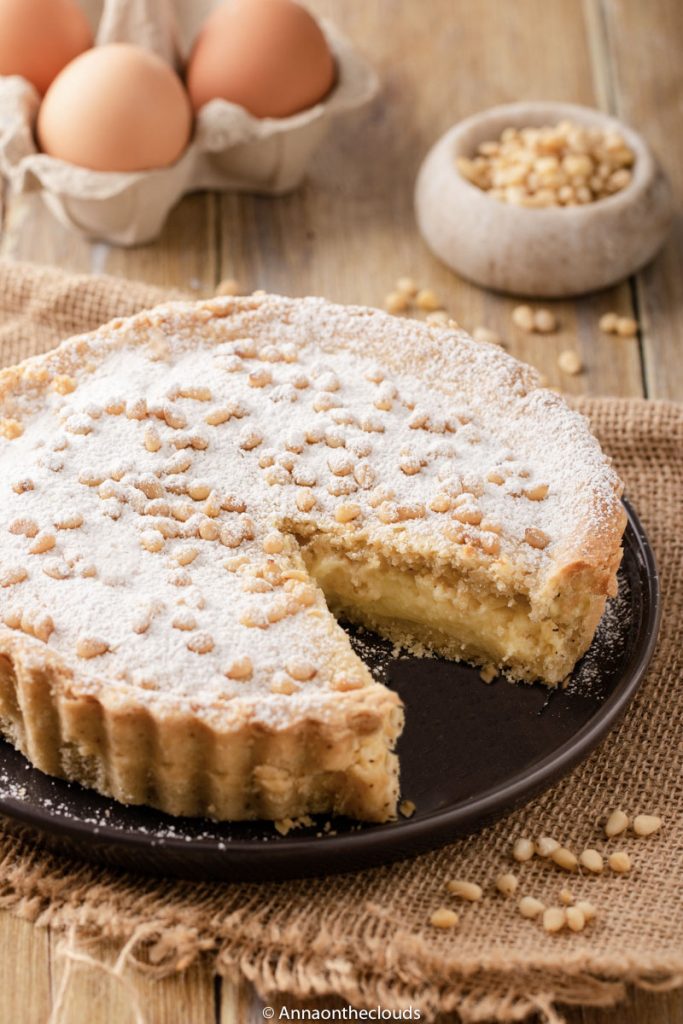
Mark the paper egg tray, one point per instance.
(230, 150)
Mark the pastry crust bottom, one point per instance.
(180, 765)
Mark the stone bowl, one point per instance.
(547, 252)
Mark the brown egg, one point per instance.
(116, 108)
(39, 37)
(269, 56)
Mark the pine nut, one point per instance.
(619, 862)
(608, 323)
(487, 336)
(626, 327)
(523, 850)
(523, 317)
(646, 824)
(444, 918)
(91, 647)
(200, 643)
(616, 823)
(44, 541)
(346, 512)
(465, 890)
(554, 919)
(396, 302)
(240, 669)
(530, 907)
(570, 362)
(507, 884)
(427, 300)
(301, 670)
(587, 909)
(564, 859)
(592, 861)
(536, 538)
(544, 321)
(576, 920)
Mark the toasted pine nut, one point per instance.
(616, 823)
(530, 907)
(564, 859)
(523, 850)
(507, 884)
(576, 919)
(646, 824)
(619, 862)
(465, 890)
(591, 860)
(443, 918)
(554, 919)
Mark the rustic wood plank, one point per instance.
(349, 232)
(183, 257)
(641, 1008)
(24, 972)
(91, 993)
(645, 47)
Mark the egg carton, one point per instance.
(230, 149)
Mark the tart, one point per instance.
(189, 496)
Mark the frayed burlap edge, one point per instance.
(162, 928)
(79, 903)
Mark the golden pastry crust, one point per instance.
(178, 483)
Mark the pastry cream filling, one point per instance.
(450, 615)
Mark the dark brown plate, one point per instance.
(470, 753)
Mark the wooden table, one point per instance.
(347, 235)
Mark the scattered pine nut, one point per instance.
(566, 897)
(530, 907)
(507, 884)
(439, 318)
(406, 808)
(427, 300)
(587, 909)
(608, 323)
(229, 286)
(488, 673)
(545, 322)
(465, 890)
(627, 327)
(619, 862)
(523, 850)
(616, 823)
(570, 362)
(486, 334)
(396, 302)
(546, 846)
(406, 286)
(576, 919)
(592, 861)
(523, 317)
(646, 824)
(554, 919)
(564, 859)
(444, 918)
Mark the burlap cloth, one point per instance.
(366, 936)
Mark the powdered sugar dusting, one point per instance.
(196, 440)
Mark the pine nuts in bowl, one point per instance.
(544, 199)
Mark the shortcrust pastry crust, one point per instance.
(173, 486)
